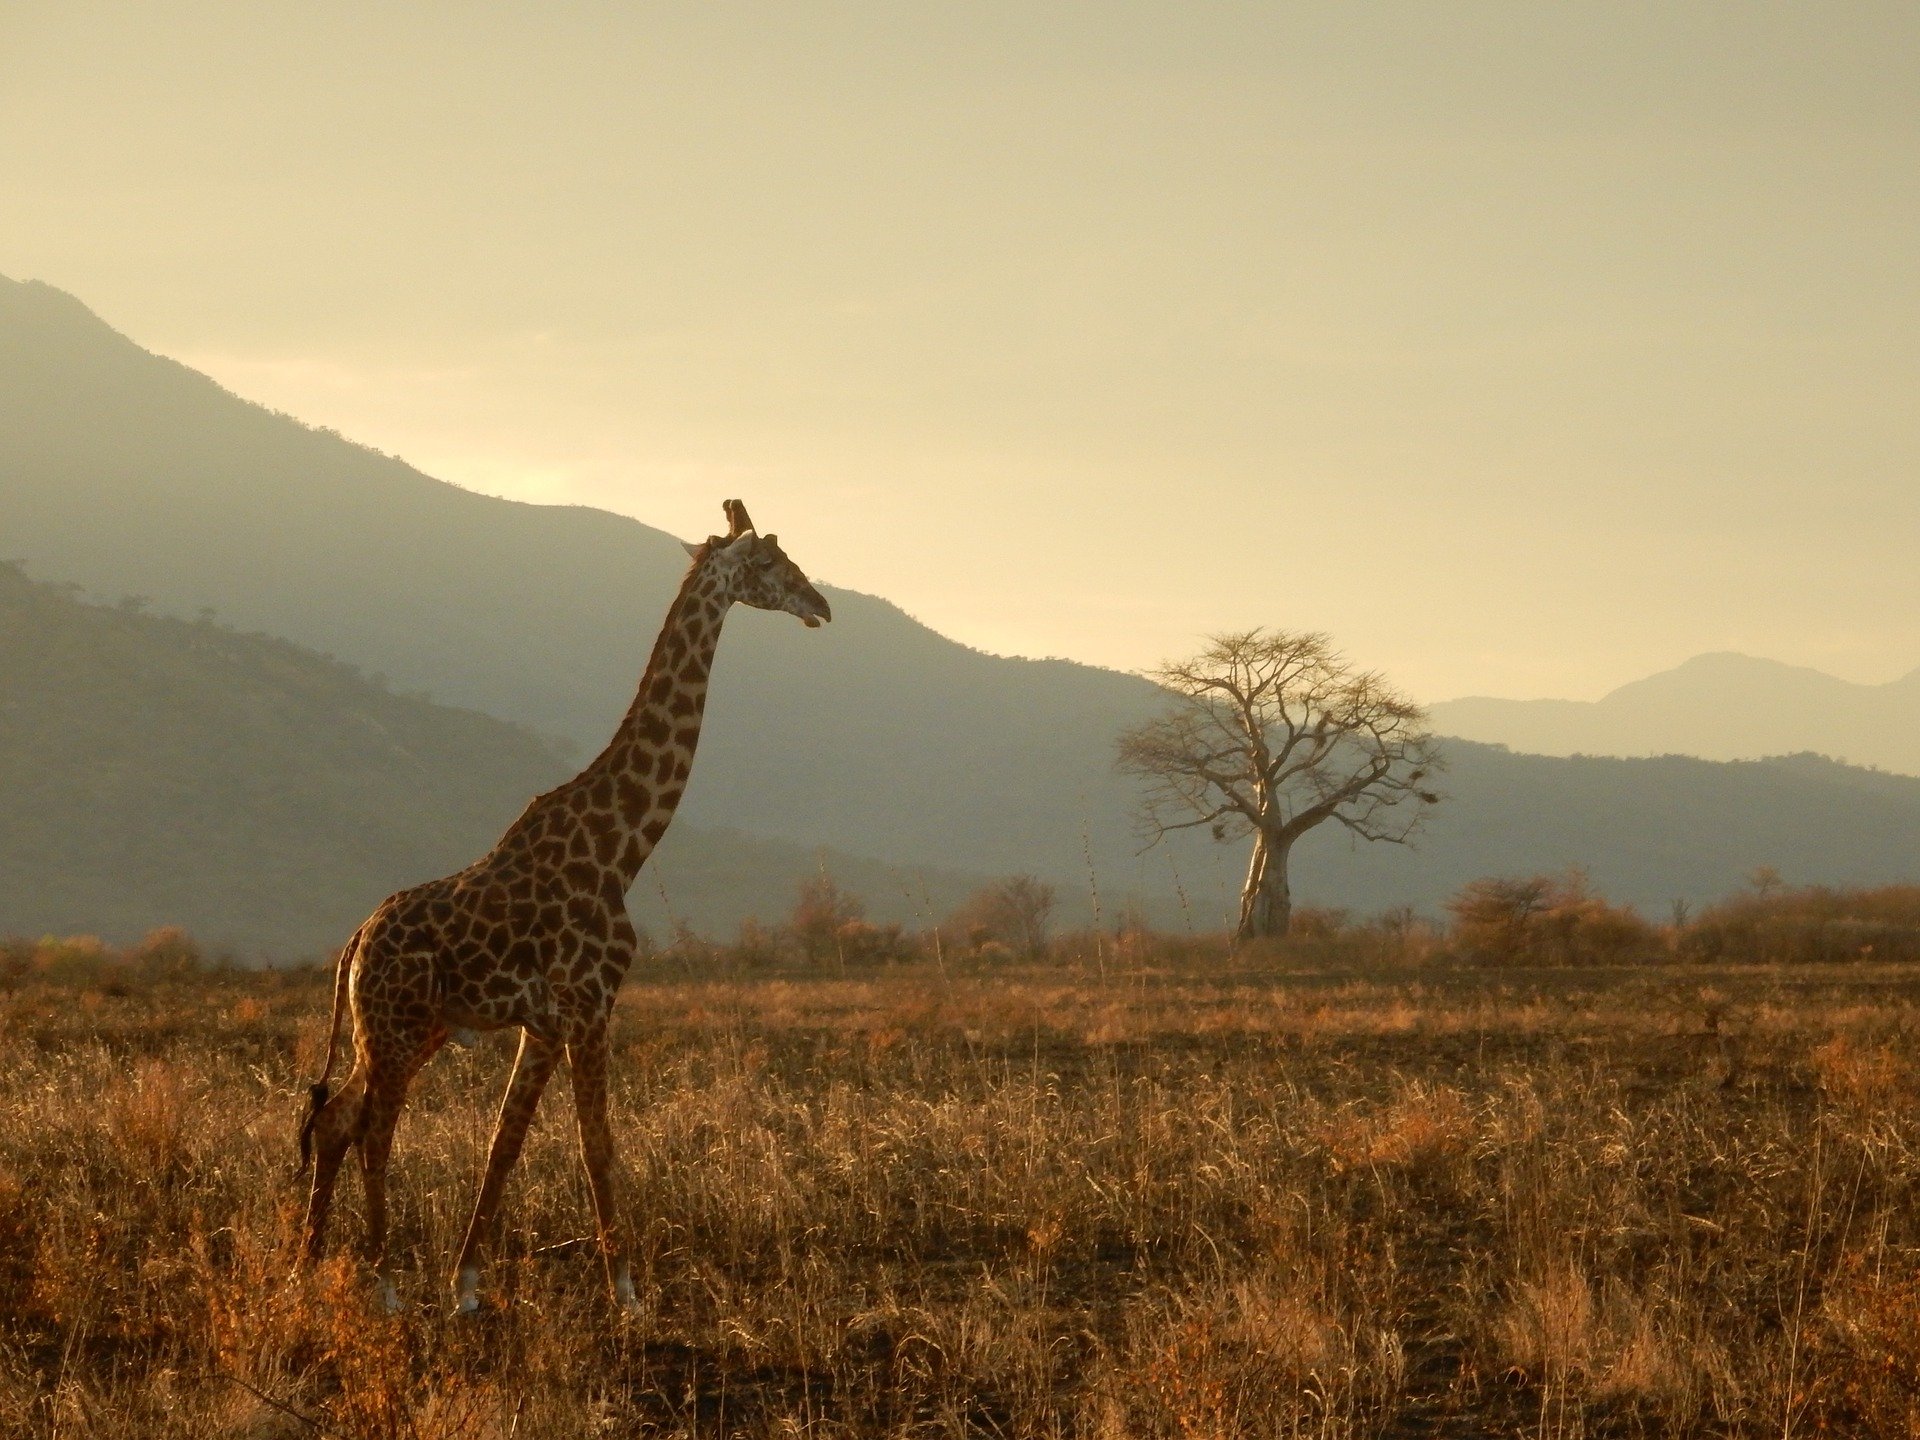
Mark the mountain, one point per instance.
(129, 474)
(160, 771)
(1648, 831)
(1720, 707)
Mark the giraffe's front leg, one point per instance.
(587, 1060)
(390, 1071)
(530, 1071)
(385, 1095)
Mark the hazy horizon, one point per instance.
(1576, 344)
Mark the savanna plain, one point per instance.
(1134, 1186)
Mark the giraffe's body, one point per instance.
(535, 933)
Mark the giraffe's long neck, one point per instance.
(633, 786)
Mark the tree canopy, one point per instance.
(1270, 733)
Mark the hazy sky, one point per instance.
(1526, 348)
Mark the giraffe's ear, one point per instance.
(746, 543)
(737, 521)
(689, 547)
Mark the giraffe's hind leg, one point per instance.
(588, 1062)
(336, 1125)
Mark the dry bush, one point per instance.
(1011, 915)
(1857, 1074)
(1400, 936)
(827, 928)
(755, 947)
(821, 911)
(1871, 1347)
(1326, 938)
(167, 953)
(1547, 920)
(1776, 925)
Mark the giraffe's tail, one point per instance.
(318, 1092)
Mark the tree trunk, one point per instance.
(1266, 904)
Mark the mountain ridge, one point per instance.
(1721, 705)
(874, 737)
(161, 771)
(142, 477)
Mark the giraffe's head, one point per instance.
(758, 572)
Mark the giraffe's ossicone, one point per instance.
(535, 933)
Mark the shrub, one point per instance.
(1318, 922)
(863, 943)
(1013, 915)
(756, 947)
(1774, 925)
(1546, 920)
(1399, 936)
(819, 915)
(166, 951)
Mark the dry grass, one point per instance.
(1637, 1202)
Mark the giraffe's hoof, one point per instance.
(385, 1295)
(466, 1293)
(463, 1037)
(625, 1300)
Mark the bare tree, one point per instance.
(820, 914)
(1271, 733)
(1015, 912)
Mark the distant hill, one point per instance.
(128, 473)
(162, 771)
(1648, 831)
(1720, 707)
(159, 771)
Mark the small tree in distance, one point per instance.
(1014, 912)
(821, 912)
(827, 925)
(1271, 733)
(1547, 920)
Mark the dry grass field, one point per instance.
(1170, 1199)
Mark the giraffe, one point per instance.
(534, 934)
